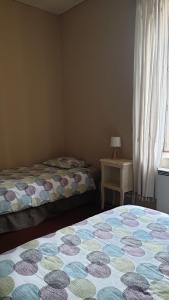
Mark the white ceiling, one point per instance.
(54, 6)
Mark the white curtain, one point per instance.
(150, 92)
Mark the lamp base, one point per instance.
(116, 153)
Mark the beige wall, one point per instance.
(47, 110)
(98, 46)
(31, 115)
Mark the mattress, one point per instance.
(37, 185)
(119, 254)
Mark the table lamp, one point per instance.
(115, 143)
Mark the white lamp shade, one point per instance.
(115, 141)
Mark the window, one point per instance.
(166, 141)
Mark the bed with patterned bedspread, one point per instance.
(119, 254)
(37, 185)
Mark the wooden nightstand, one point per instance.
(116, 175)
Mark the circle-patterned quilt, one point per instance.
(121, 254)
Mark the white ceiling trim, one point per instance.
(53, 6)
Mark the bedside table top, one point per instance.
(117, 162)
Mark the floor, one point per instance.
(13, 239)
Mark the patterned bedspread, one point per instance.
(33, 186)
(117, 255)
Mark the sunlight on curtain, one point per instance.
(150, 92)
